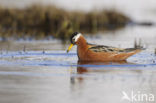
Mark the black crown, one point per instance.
(73, 35)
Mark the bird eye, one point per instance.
(73, 39)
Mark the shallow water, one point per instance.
(37, 76)
(43, 72)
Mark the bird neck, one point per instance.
(82, 43)
(82, 47)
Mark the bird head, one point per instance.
(73, 39)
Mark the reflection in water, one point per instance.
(84, 67)
(90, 76)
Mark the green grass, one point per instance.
(41, 21)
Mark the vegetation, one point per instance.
(42, 21)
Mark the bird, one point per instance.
(99, 53)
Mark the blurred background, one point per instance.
(34, 36)
(39, 19)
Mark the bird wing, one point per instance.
(103, 48)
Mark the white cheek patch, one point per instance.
(77, 37)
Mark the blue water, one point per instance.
(31, 76)
(46, 76)
(39, 58)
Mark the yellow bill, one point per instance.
(71, 45)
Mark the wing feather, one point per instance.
(103, 48)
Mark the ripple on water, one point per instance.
(62, 59)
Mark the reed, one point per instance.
(41, 21)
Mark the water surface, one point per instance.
(42, 71)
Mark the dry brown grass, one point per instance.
(39, 21)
